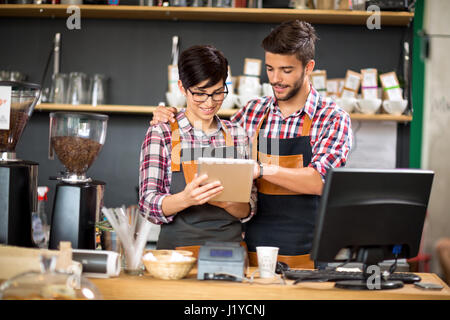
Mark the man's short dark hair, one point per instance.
(200, 63)
(292, 37)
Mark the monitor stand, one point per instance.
(372, 281)
(363, 284)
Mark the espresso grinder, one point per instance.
(77, 139)
(18, 178)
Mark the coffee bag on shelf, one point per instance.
(351, 84)
(369, 83)
(334, 87)
(391, 86)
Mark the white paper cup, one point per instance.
(267, 261)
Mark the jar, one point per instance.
(49, 284)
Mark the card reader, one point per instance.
(221, 261)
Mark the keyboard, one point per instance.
(333, 275)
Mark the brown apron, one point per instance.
(284, 219)
(195, 225)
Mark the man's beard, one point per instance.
(297, 87)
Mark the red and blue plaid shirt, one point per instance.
(155, 172)
(331, 134)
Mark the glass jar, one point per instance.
(49, 284)
(77, 91)
(58, 91)
(77, 139)
(23, 99)
(97, 90)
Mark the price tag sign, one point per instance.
(5, 107)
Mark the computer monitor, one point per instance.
(376, 214)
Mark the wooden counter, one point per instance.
(148, 288)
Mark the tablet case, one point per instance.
(235, 175)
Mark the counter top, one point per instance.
(145, 287)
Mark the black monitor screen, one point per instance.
(371, 208)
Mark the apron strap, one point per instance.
(176, 147)
(307, 121)
(176, 144)
(229, 141)
(255, 137)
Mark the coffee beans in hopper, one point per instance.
(76, 154)
(9, 138)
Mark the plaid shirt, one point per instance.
(155, 172)
(331, 134)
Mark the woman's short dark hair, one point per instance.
(292, 37)
(200, 63)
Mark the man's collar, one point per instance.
(311, 102)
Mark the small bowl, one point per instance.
(368, 106)
(165, 269)
(348, 104)
(395, 107)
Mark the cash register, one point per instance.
(221, 261)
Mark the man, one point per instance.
(297, 136)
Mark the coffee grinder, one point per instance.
(18, 178)
(77, 139)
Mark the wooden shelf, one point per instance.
(380, 117)
(100, 108)
(46, 107)
(206, 14)
(112, 109)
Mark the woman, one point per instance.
(170, 192)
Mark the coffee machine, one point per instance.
(18, 178)
(77, 139)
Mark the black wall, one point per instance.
(134, 54)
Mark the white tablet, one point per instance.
(235, 175)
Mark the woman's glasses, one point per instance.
(216, 96)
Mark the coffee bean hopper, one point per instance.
(18, 178)
(77, 139)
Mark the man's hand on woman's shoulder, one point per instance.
(163, 115)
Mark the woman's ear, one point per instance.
(182, 90)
